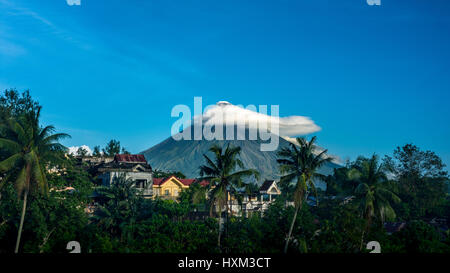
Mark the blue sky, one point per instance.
(372, 77)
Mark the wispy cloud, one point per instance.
(39, 21)
(10, 49)
(20, 11)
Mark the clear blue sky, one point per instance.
(372, 77)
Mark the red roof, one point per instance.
(130, 158)
(158, 181)
(204, 183)
(186, 182)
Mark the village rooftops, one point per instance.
(126, 162)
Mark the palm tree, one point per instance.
(30, 149)
(374, 196)
(118, 206)
(224, 178)
(300, 164)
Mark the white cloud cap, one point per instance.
(228, 114)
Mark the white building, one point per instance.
(257, 202)
(134, 167)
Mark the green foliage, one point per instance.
(75, 177)
(422, 182)
(160, 234)
(51, 221)
(118, 207)
(112, 148)
(82, 152)
(372, 192)
(14, 104)
(164, 174)
(411, 162)
(267, 234)
(417, 237)
(340, 228)
(96, 152)
(194, 197)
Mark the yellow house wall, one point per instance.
(170, 185)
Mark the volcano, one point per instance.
(186, 155)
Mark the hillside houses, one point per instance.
(256, 202)
(136, 168)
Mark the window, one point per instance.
(166, 192)
(175, 192)
(140, 184)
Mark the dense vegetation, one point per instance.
(410, 186)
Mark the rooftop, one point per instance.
(186, 182)
(130, 158)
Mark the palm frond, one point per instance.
(9, 145)
(10, 162)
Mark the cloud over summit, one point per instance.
(228, 114)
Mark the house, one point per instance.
(257, 202)
(269, 190)
(134, 167)
(171, 187)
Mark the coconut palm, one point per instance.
(372, 192)
(300, 164)
(30, 150)
(224, 177)
(118, 206)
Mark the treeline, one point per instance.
(40, 214)
(112, 148)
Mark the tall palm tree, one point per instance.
(30, 149)
(223, 177)
(372, 192)
(300, 165)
